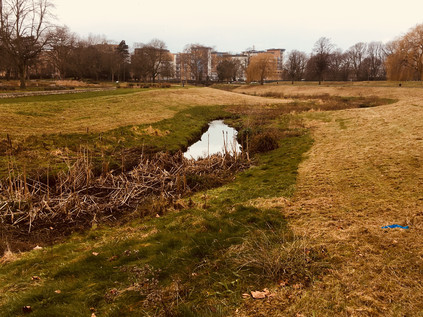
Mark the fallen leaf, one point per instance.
(258, 295)
(95, 253)
(58, 291)
(157, 216)
(38, 248)
(246, 295)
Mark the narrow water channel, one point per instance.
(214, 140)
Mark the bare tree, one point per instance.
(140, 65)
(61, 46)
(339, 66)
(356, 55)
(5, 63)
(155, 57)
(227, 68)
(197, 59)
(321, 57)
(1, 14)
(24, 31)
(376, 60)
(295, 65)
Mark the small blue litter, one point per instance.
(394, 226)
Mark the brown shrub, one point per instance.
(264, 142)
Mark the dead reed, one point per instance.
(77, 194)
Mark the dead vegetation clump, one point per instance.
(264, 142)
(78, 196)
(279, 257)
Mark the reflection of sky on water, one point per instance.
(212, 140)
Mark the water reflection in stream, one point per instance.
(213, 141)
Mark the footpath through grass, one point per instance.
(194, 262)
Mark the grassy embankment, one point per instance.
(45, 131)
(196, 255)
(192, 254)
(197, 261)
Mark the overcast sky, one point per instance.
(234, 25)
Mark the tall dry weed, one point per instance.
(276, 255)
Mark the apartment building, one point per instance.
(210, 60)
(278, 54)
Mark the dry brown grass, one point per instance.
(364, 171)
(8, 256)
(108, 112)
(78, 196)
(70, 83)
(345, 91)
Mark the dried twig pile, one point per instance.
(78, 194)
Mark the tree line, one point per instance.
(30, 45)
(362, 61)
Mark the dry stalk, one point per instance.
(78, 194)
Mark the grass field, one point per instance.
(181, 249)
(103, 111)
(46, 130)
(363, 172)
(304, 222)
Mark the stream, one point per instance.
(214, 140)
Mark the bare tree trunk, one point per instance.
(1, 15)
(22, 76)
